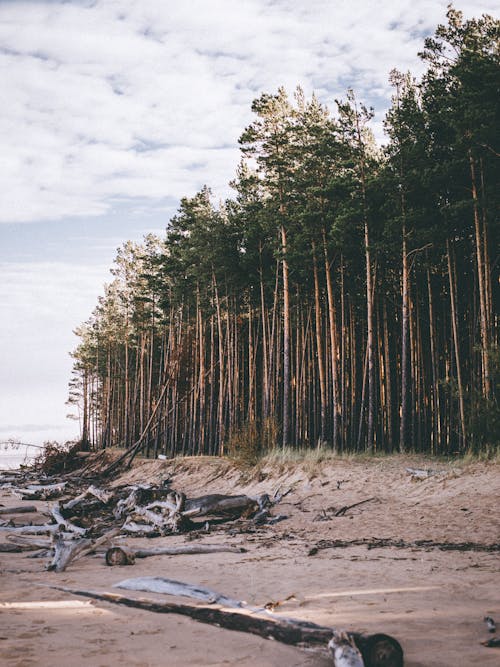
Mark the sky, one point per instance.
(112, 110)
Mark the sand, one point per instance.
(432, 601)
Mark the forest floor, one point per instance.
(432, 601)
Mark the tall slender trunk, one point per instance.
(405, 338)
(286, 342)
(480, 265)
(333, 347)
(456, 344)
(319, 349)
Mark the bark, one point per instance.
(378, 650)
(18, 510)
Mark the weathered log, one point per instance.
(383, 542)
(26, 543)
(8, 547)
(179, 588)
(68, 551)
(42, 529)
(40, 491)
(100, 494)
(65, 523)
(120, 555)
(138, 528)
(24, 509)
(344, 650)
(377, 650)
(494, 642)
(65, 552)
(220, 504)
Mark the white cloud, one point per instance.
(118, 98)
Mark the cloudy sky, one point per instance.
(112, 110)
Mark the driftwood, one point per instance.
(377, 650)
(137, 528)
(215, 504)
(8, 547)
(494, 642)
(345, 508)
(26, 543)
(65, 523)
(179, 588)
(66, 551)
(41, 529)
(93, 491)
(40, 491)
(382, 542)
(24, 509)
(490, 624)
(421, 473)
(344, 651)
(120, 555)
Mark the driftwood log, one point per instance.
(383, 542)
(66, 551)
(24, 509)
(40, 491)
(65, 523)
(377, 650)
(344, 651)
(121, 555)
(92, 491)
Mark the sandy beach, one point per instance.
(432, 601)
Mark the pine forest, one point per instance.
(347, 295)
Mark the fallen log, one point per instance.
(100, 494)
(138, 528)
(8, 547)
(344, 651)
(121, 555)
(383, 542)
(65, 523)
(219, 504)
(65, 552)
(179, 588)
(40, 492)
(24, 509)
(26, 543)
(377, 650)
(41, 529)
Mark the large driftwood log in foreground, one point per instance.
(126, 556)
(382, 542)
(179, 588)
(377, 650)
